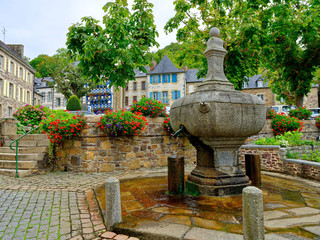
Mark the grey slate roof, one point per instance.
(138, 73)
(191, 76)
(165, 66)
(9, 50)
(252, 83)
(42, 82)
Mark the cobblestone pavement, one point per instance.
(58, 205)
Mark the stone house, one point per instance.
(16, 79)
(257, 86)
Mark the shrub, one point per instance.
(167, 126)
(148, 107)
(282, 123)
(122, 123)
(73, 104)
(271, 114)
(318, 121)
(285, 140)
(300, 113)
(310, 156)
(62, 125)
(30, 116)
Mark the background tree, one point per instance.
(283, 36)
(44, 65)
(119, 47)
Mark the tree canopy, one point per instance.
(282, 36)
(117, 48)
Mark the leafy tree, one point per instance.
(281, 35)
(119, 47)
(44, 65)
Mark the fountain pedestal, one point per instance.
(217, 120)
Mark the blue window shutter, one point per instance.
(174, 77)
(150, 93)
(150, 79)
(173, 95)
(168, 78)
(178, 94)
(159, 96)
(159, 78)
(163, 78)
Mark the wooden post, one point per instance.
(253, 169)
(175, 175)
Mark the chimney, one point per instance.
(185, 68)
(154, 64)
(18, 49)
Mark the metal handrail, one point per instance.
(17, 144)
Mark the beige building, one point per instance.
(16, 79)
(257, 86)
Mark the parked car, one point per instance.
(315, 113)
(283, 108)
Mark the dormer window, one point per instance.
(259, 83)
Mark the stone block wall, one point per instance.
(96, 152)
(273, 158)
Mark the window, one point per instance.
(143, 85)
(150, 79)
(1, 62)
(134, 98)
(260, 96)
(259, 83)
(28, 78)
(11, 67)
(1, 82)
(58, 102)
(17, 93)
(28, 97)
(174, 77)
(155, 95)
(21, 95)
(191, 89)
(20, 73)
(175, 95)
(165, 97)
(49, 96)
(127, 87)
(9, 111)
(134, 86)
(10, 90)
(164, 78)
(159, 78)
(39, 102)
(43, 96)
(126, 102)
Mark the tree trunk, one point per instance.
(299, 100)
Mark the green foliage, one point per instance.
(62, 125)
(73, 104)
(271, 114)
(31, 116)
(44, 65)
(282, 123)
(301, 113)
(288, 139)
(122, 122)
(318, 121)
(119, 47)
(310, 156)
(148, 107)
(281, 36)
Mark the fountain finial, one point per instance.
(214, 32)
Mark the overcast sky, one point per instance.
(41, 25)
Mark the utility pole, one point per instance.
(3, 30)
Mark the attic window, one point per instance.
(259, 83)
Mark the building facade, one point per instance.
(16, 79)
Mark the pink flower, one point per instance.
(26, 120)
(30, 125)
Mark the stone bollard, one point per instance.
(175, 175)
(252, 205)
(113, 202)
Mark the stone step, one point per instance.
(29, 143)
(29, 165)
(22, 157)
(12, 172)
(24, 150)
(37, 137)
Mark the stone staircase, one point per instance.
(33, 151)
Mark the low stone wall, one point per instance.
(310, 131)
(96, 152)
(273, 158)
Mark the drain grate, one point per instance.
(292, 195)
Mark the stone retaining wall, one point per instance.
(273, 158)
(96, 152)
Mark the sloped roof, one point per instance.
(42, 82)
(165, 66)
(191, 76)
(138, 73)
(13, 53)
(252, 82)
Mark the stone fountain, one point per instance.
(217, 119)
